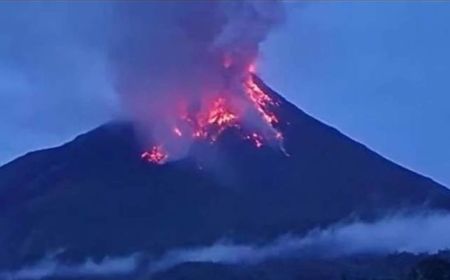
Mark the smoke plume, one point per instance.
(172, 59)
(160, 64)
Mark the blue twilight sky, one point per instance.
(377, 71)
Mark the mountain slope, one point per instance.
(95, 197)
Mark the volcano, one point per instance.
(95, 196)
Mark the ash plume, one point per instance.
(141, 60)
(168, 55)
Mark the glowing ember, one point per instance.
(256, 139)
(279, 136)
(156, 155)
(177, 132)
(252, 68)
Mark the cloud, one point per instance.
(414, 233)
(420, 233)
(50, 267)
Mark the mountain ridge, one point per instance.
(94, 196)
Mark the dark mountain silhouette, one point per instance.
(95, 197)
(391, 267)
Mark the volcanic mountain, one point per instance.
(95, 196)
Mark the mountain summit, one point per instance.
(95, 196)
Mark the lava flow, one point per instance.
(219, 112)
(210, 123)
(261, 101)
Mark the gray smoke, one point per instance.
(168, 54)
(68, 66)
(418, 233)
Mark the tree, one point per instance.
(430, 269)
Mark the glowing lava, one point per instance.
(220, 114)
(213, 120)
(261, 101)
(156, 155)
(220, 111)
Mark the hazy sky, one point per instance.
(379, 72)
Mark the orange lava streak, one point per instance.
(212, 120)
(261, 101)
(220, 114)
